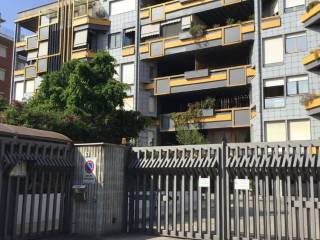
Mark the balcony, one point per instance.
(202, 80)
(312, 61)
(178, 8)
(312, 15)
(222, 36)
(271, 22)
(82, 54)
(313, 106)
(89, 12)
(225, 118)
(128, 51)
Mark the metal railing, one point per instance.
(227, 191)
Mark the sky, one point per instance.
(10, 8)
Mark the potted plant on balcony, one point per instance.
(187, 123)
(197, 29)
(312, 5)
(308, 97)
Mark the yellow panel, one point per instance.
(90, 20)
(271, 22)
(149, 86)
(144, 48)
(19, 72)
(176, 5)
(82, 54)
(312, 104)
(145, 13)
(250, 72)
(311, 57)
(21, 44)
(215, 77)
(217, 118)
(311, 13)
(247, 27)
(127, 51)
(170, 43)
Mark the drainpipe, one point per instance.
(137, 57)
(260, 63)
(13, 64)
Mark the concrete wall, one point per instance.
(104, 210)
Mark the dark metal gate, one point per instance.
(35, 182)
(196, 192)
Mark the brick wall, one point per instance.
(6, 64)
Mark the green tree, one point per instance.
(82, 101)
(187, 124)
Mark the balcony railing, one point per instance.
(203, 79)
(311, 16)
(82, 54)
(89, 12)
(224, 118)
(227, 35)
(313, 106)
(128, 51)
(312, 60)
(158, 12)
(271, 22)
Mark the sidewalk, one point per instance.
(114, 237)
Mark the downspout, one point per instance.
(259, 14)
(13, 64)
(137, 57)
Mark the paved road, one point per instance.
(115, 237)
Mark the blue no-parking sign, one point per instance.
(89, 170)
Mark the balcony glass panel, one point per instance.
(32, 42)
(43, 33)
(274, 102)
(30, 72)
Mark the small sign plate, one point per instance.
(242, 184)
(19, 170)
(204, 182)
(89, 170)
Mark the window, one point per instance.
(294, 3)
(273, 50)
(127, 73)
(32, 55)
(18, 91)
(129, 37)
(299, 130)
(296, 43)
(2, 74)
(297, 85)
(276, 132)
(274, 93)
(116, 76)
(122, 6)
(80, 38)
(170, 30)
(128, 104)
(43, 49)
(3, 51)
(43, 33)
(30, 86)
(114, 40)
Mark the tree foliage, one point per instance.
(82, 101)
(187, 124)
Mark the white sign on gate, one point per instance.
(19, 170)
(89, 170)
(242, 184)
(204, 182)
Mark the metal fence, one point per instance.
(196, 192)
(35, 183)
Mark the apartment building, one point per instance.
(6, 49)
(259, 61)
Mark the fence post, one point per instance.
(222, 190)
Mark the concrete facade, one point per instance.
(166, 55)
(6, 46)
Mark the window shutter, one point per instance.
(276, 132)
(273, 50)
